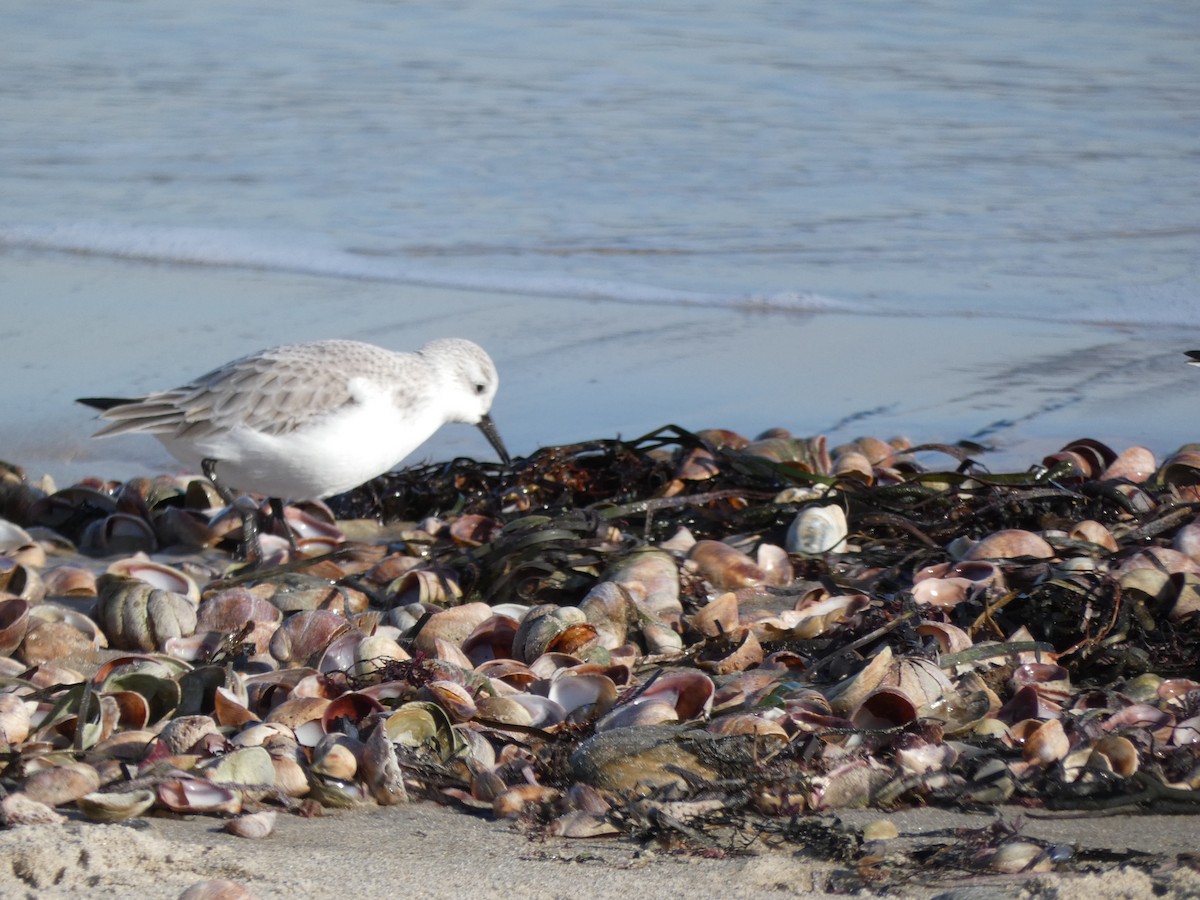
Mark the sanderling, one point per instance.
(306, 421)
(1195, 357)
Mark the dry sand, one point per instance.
(426, 851)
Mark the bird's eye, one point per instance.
(480, 388)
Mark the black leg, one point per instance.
(251, 549)
(276, 505)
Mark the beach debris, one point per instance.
(654, 637)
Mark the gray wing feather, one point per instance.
(273, 392)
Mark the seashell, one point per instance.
(119, 534)
(884, 707)
(740, 651)
(304, 636)
(116, 806)
(157, 575)
(254, 826)
(1094, 533)
(1114, 754)
(516, 801)
(544, 713)
(583, 696)
(21, 580)
(303, 716)
(1011, 543)
(944, 593)
(725, 567)
(848, 693)
(1019, 856)
(14, 623)
(193, 795)
(381, 769)
(853, 464)
(474, 530)
(918, 757)
(452, 625)
(767, 731)
(541, 626)
(698, 464)
(775, 563)
(428, 587)
(853, 785)
(61, 784)
(13, 536)
(423, 726)
(1186, 732)
(290, 777)
(182, 733)
(817, 530)
(950, 638)
(640, 712)
(1047, 743)
(610, 609)
(504, 709)
(1160, 558)
(136, 616)
(453, 698)
(70, 581)
(373, 653)
(661, 639)
(337, 756)
(244, 767)
(493, 639)
(651, 576)
(718, 616)
(19, 809)
(1134, 464)
(217, 889)
(1187, 540)
(1090, 457)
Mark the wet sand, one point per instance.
(576, 370)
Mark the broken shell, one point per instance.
(817, 530)
(14, 623)
(724, 566)
(116, 806)
(1011, 543)
(193, 795)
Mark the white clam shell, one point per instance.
(818, 529)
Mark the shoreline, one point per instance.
(580, 370)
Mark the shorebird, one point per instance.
(306, 421)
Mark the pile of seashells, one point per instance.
(614, 637)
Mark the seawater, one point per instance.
(931, 158)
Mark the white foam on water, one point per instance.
(1176, 303)
(207, 247)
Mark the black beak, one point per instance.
(489, 430)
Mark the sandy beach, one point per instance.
(423, 850)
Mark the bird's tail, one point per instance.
(102, 402)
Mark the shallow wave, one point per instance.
(227, 249)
